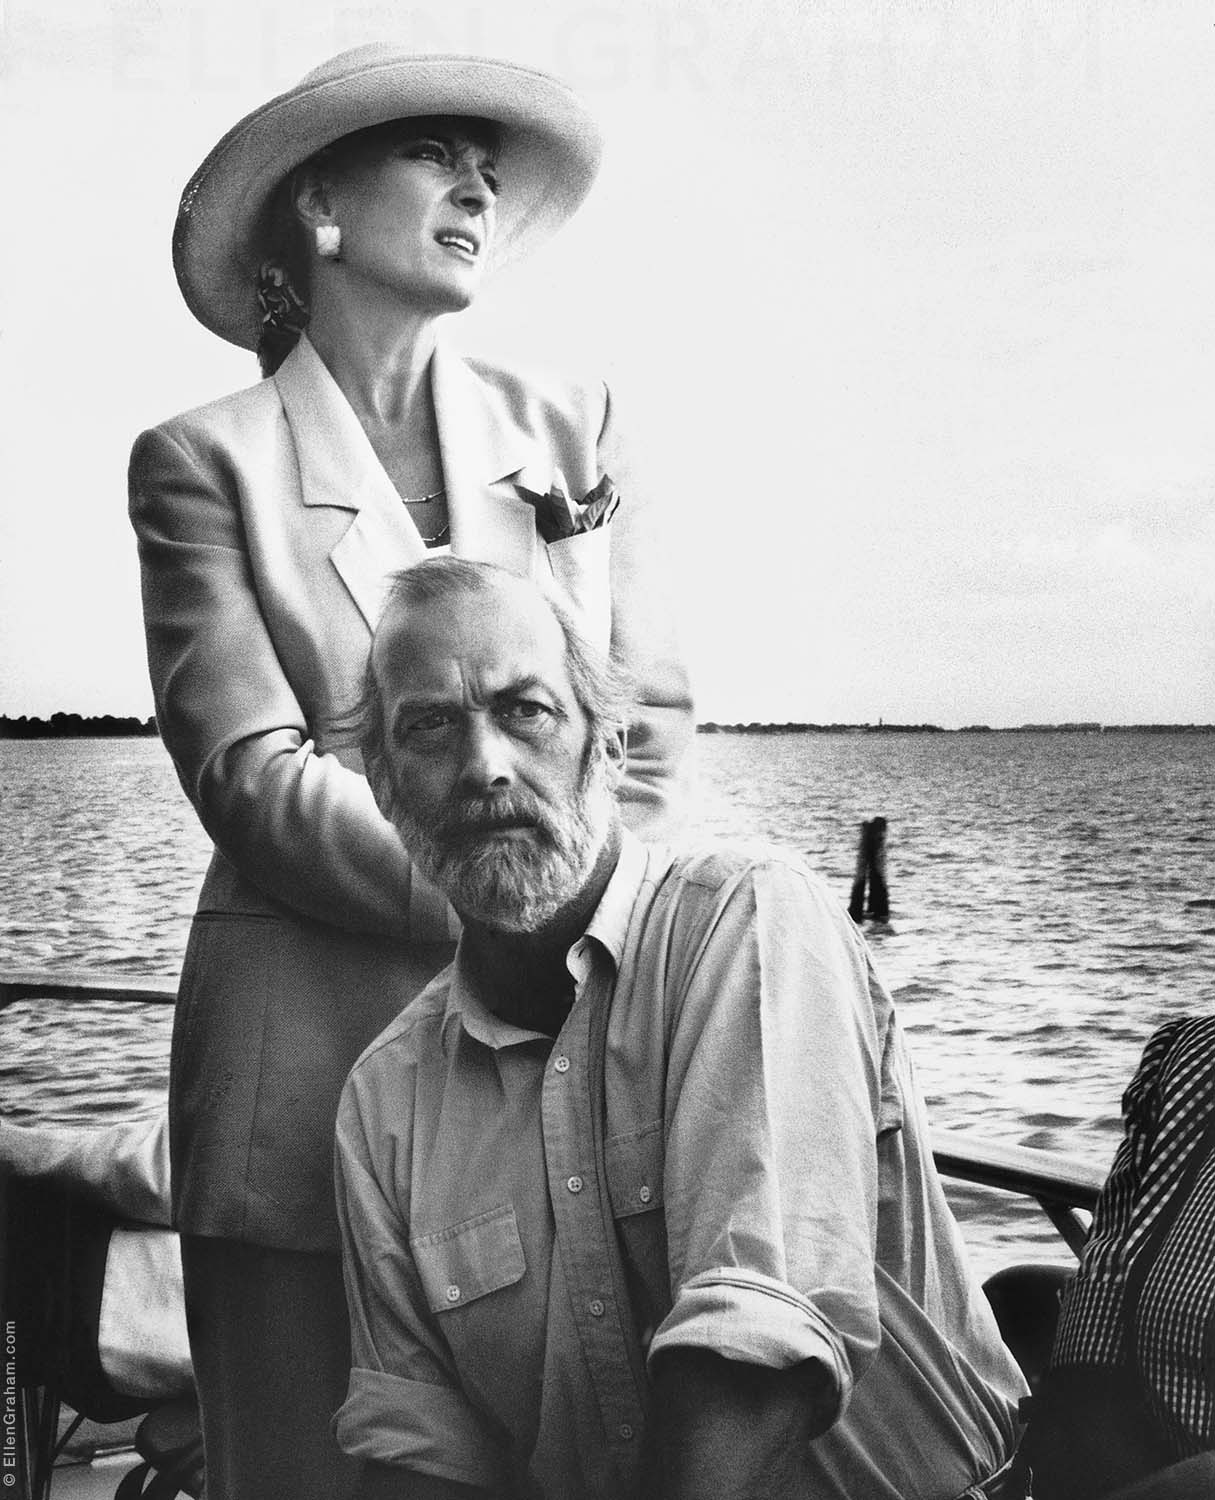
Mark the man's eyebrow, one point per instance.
(531, 686)
(521, 686)
(406, 708)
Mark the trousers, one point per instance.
(270, 1344)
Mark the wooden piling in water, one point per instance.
(871, 874)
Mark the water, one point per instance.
(1051, 905)
(102, 858)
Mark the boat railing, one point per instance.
(1065, 1187)
(84, 985)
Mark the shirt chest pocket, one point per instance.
(635, 1163)
(467, 1261)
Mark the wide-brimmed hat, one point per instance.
(549, 155)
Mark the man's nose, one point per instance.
(488, 763)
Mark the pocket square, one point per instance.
(558, 517)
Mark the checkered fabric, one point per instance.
(1144, 1295)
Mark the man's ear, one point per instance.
(375, 768)
(616, 749)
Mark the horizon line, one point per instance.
(1063, 726)
(65, 724)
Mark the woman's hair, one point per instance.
(284, 280)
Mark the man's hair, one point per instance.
(601, 689)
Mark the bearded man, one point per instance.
(636, 1197)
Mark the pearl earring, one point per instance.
(328, 241)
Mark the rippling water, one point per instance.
(1051, 905)
(102, 859)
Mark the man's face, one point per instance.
(495, 790)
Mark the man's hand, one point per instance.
(723, 1430)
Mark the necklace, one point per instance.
(435, 498)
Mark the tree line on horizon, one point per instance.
(74, 726)
(111, 726)
(1078, 727)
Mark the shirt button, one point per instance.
(574, 1184)
(596, 1307)
(453, 1293)
(562, 1064)
(626, 1431)
(644, 1194)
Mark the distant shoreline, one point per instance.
(881, 728)
(76, 727)
(62, 726)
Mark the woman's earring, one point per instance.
(328, 241)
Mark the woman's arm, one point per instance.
(300, 825)
(644, 641)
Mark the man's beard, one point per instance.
(513, 884)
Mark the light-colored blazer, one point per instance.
(267, 530)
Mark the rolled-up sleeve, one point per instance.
(404, 1404)
(774, 1093)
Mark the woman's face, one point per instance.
(414, 200)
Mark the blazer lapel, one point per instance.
(481, 444)
(339, 467)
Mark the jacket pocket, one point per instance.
(469, 1260)
(580, 565)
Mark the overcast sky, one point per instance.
(910, 306)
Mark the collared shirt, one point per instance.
(764, 1141)
(1144, 1295)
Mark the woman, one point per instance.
(331, 230)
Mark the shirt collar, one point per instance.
(606, 932)
(609, 924)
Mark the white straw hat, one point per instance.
(550, 149)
